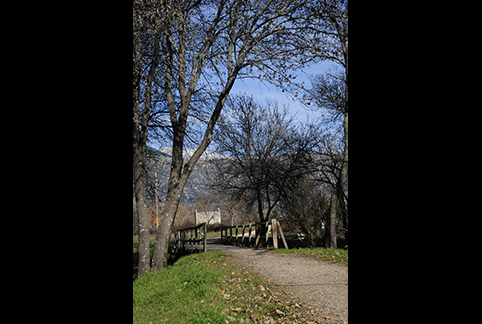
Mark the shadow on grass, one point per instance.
(172, 257)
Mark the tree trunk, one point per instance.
(338, 192)
(262, 220)
(179, 173)
(161, 244)
(142, 215)
(334, 201)
(344, 167)
(140, 133)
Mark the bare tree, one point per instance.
(146, 54)
(327, 35)
(336, 20)
(205, 46)
(268, 153)
(322, 36)
(306, 209)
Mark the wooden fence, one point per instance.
(273, 227)
(191, 239)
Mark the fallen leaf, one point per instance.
(238, 309)
(224, 311)
(277, 311)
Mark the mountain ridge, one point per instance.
(186, 154)
(159, 161)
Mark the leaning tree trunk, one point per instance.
(179, 173)
(168, 213)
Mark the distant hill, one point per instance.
(159, 160)
(167, 152)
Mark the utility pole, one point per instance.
(157, 202)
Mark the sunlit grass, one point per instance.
(339, 256)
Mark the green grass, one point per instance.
(339, 256)
(208, 288)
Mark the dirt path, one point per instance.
(322, 286)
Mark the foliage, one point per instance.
(208, 288)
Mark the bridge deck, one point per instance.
(215, 245)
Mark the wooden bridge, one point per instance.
(254, 235)
(194, 239)
(191, 239)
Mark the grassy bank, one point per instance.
(208, 288)
(339, 256)
(135, 254)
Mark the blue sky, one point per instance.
(262, 91)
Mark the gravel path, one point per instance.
(320, 285)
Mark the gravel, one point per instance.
(319, 285)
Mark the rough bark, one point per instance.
(333, 204)
(140, 133)
(138, 142)
(142, 216)
(338, 192)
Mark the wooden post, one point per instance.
(274, 227)
(197, 245)
(242, 236)
(191, 239)
(178, 241)
(236, 240)
(205, 238)
(230, 235)
(280, 230)
(267, 231)
(181, 242)
(249, 235)
(258, 234)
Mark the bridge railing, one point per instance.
(251, 234)
(191, 239)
